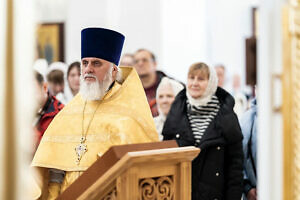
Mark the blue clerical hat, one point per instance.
(102, 43)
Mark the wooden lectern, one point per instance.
(149, 171)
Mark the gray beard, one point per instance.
(95, 90)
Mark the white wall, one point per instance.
(178, 32)
(229, 23)
(141, 23)
(211, 31)
(138, 20)
(183, 36)
(50, 11)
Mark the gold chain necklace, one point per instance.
(81, 148)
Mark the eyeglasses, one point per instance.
(143, 60)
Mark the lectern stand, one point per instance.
(150, 171)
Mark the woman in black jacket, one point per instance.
(202, 116)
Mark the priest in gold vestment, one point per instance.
(110, 109)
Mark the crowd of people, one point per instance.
(106, 100)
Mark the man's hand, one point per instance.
(252, 194)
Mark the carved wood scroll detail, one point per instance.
(111, 195)
(159, 188)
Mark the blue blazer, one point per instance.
(248, 124)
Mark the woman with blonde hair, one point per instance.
(202, 116)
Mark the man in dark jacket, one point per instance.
(209, 123)
(145, 65)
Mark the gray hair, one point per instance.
(119, 77)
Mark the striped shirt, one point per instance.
(201, 116)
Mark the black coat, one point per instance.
(217, 170)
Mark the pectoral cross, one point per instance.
(80, 150)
